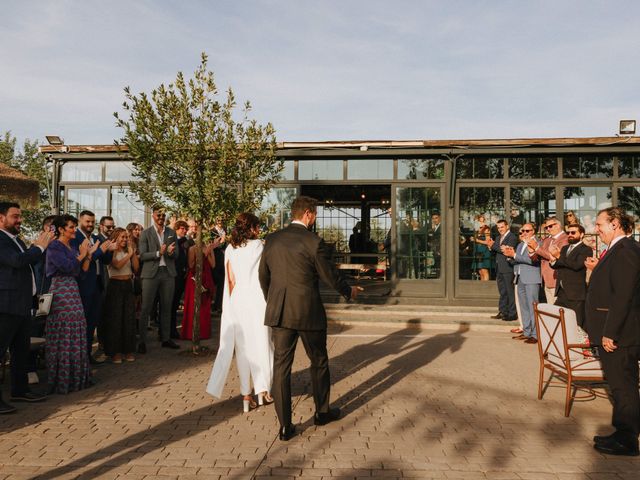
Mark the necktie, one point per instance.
(603, 254)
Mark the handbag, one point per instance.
(44, 304)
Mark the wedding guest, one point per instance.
(182, 248)
(17, 299)
(134, 230)
(119, 327)
(157, 254)
(242, 328)
(482, 253)
(67, 355)
(556, 239)
(218, 270)
(105, 227)
(208, 293)
(504, 271)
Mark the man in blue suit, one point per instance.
(92, 282)
(504, 271)
(17, 292)
(527, 278)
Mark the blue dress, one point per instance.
(65, 332)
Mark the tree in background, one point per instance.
(193, 156)
(33, 164)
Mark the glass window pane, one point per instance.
(480, 209)
(421, 168)
(81, 172)
(320, 170)
(629, 166)
(93, 199)
(370, 169)
(533, 167)
(587, 166)
(118, 170)
(125, 207)
(479, 167)
(629, 200)
(418, 233)
(288, 170)
(531, 204)
(276, 207)
(583, 204)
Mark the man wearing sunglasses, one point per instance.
(527, 278)
(568, 263)
(556, 239)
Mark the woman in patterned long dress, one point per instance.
(66, 353)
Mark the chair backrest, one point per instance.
(557, 328)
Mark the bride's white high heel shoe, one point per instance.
(248, 403)
(264, 398)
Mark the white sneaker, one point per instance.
(33, 378)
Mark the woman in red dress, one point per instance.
(208, 294)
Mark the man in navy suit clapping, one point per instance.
(17, 292)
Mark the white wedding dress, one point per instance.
(242, 327)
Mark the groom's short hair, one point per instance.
(301, 205)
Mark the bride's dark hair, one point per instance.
(244, 228)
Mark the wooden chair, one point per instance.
(562, 353)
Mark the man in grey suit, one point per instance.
(158, 254)
(293, 262)
(527, 278)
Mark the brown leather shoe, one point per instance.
(522, 336)
(531, 340)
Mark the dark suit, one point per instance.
(292, 264)
(613, 310)
(571, 285)
(182, 265)
(92, 285)
(504, 276)
(16, 302)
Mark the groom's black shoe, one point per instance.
(323, 418)
(614, 447)
(287, 433)
(603, 438)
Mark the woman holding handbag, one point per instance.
(119, 320)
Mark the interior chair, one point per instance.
(567, 359)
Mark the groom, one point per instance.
(293, 261)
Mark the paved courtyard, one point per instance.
(424, 403)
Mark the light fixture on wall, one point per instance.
(627, 127)
(54, 140)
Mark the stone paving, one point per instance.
(431, 403)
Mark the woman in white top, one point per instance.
(242, 325)
(119, 320)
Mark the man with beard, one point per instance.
(568, 263)
(17, 292)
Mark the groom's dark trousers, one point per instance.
(315, 344)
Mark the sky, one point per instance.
(329, 70)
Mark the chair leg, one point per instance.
(571, 391)
(540, 381)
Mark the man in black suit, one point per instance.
(571, 283)
(292, 264)
(504, 271)
(613, 323)
(17, 292)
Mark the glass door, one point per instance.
(419, 253)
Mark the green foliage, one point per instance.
(33, 164)
(191, 155)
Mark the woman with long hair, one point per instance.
(207, 296)
(242, 326)
(67, 356)
(119, 321)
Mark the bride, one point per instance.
(242, 325)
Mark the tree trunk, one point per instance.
(197, 296)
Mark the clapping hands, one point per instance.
(44, 239)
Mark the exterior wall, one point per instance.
(521, 184)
